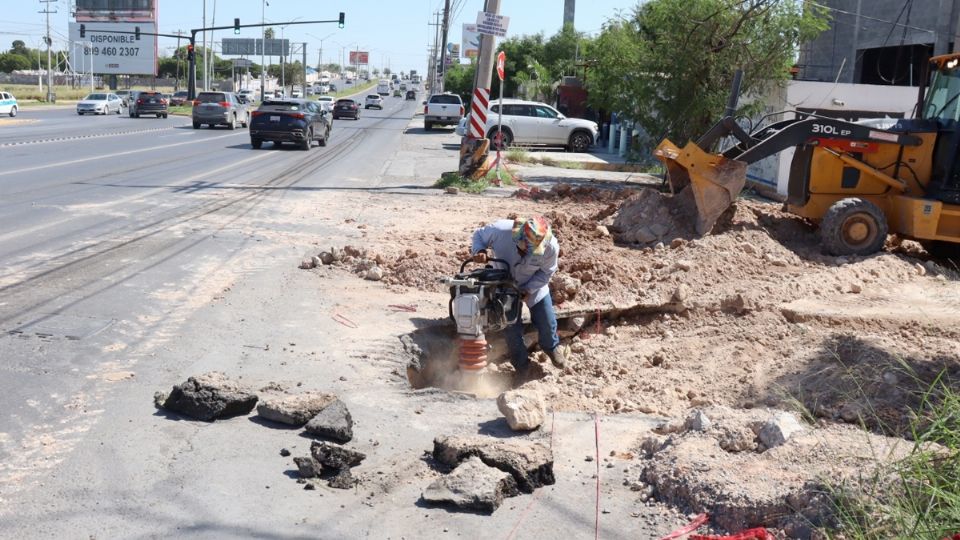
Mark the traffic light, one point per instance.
(83, 30)
(342, 17)
(136, 32)
(236, 26)
(190, 54)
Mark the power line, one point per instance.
(862, 16)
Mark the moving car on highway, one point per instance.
(298, 121)
(246, 96)
(373, 101)
(411, 95)
(8, 104)
(219, 108)
(100, 103)
(127, 96)
(326, 102)
(534, 123)
(150, 103)
(179, 98)
(346, 107)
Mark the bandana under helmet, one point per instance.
(533, 233)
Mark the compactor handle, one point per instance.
(468, 261)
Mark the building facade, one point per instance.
(881, 42)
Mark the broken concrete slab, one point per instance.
(333, 422)
(523, 408)
(530, 463)
(308, 467)
(295, 410)
(208, 397)
(779, 429)
(473, 485)
(335, 457)
(344, 479)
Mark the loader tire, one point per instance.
(853, 226)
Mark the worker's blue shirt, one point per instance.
(531, 272)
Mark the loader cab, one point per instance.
(941, 107)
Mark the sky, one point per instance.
(395, 33)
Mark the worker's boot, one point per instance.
(559, 356)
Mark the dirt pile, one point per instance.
(579, 194)
(786, 487)
(650, 217)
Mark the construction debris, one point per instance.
(473, 485)
(308, 467)
(295, 410)
(208, 397)
(530, 463)
(333, 422)
(523, 408)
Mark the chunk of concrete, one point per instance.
(530, 463)
(308, 467)
(296, 409)
(523, 408)
(779, 429)
(344, 479)
(473, 485)
(335, 457)
(697, 421)
(333, 422)
(208, 397)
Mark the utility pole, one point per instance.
(263, 47)
(204, 45)
(209, 64)
(46, 10)
(432, 72)
(475, 147)
(303, 83)
(179, 33)
(443, 43)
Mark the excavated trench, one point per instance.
(433, 350)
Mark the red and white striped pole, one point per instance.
(478, 113)
(474, 146)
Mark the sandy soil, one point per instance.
(752, 316)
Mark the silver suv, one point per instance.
(219, 108)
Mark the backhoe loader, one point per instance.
(858, 180)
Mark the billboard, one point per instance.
(471, 41)
(359, 57)
(116, 10)
(115, 54)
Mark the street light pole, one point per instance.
(263, 46)
(46, 10)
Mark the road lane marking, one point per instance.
(123, 200)
(116, 154)
(90, 136)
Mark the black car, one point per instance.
(150, 103)
(411, 95)
(346, 108)
(298, 121)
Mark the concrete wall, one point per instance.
(882, 101)
(866, 24)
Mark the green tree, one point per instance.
(268, 33)
(669, 66)
(10, 62)
(19, 47)
(458, 79)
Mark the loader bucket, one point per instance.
(715, 180)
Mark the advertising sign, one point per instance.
(359, 57)
(492, 24)
(471, 41)
(115, 54)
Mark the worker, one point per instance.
(530, 251)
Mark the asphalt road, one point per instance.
(107, 225)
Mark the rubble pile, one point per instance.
(578, 194)
(208, 397)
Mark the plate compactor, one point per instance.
(481, 301)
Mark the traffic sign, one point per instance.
(492, 24)
(501, 60)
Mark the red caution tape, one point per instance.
(758, 533)
(689, 528)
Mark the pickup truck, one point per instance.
(442, 110)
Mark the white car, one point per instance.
(532, 123)
(100, 103)
(8, 104)
(373, 100)
(326, 102)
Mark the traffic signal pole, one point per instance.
(191, 55)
